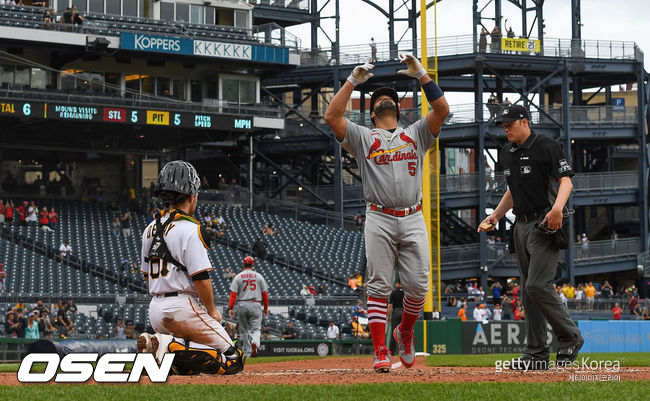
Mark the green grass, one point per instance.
(362, 392)
(639, 359)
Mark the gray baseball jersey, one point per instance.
(249, 286)
(391, 172)
(390, 163)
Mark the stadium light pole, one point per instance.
(431, 174)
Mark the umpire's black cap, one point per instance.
(513, 113)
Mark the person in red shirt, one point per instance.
(54, 218)
(44, 220)
(2, 211)
(22, 214)
(9, 212)
(616, 311)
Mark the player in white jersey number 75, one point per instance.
(390, 160)
(176, 267)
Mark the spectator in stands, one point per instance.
(130, 331)
(2, 211)
(462, 315)
(119, 331)
(71, 308)
(562, 297)
(77, 18)
(498, 312)
(221, 222)
(358, 220)
(53, 219)
(352, 282)
(22, 213)
(321, 290)
(20, 306)
(646, 314)
(117, 226)
(32, 214)
(228, 275)
(31, 328)
(259, 248)
(462, 301)
(21, 324)
(272, 230)
(304, 291)
(616, 312)
(614, 237)
(265, 229)
(517, 313)
(63, 320)
(496, 292)
(584, 246)
(289, 333)
(65, 250)
(479, 313)
(312, 290)
(332, 331)
(207, 220)
(373, 50)
(480, 293)
(3, 277)
(358, 309)
(126, 224)
(451, 301)
(495, 40)
(10, 324)
(44, 220)
(9, 212)
(266, 332)
(580, 296)
(41, 308)
(569, 292)
(606, 291)
(482, 41)
(590, 295)
(357, 329)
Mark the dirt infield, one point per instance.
(357, 370)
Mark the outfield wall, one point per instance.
(452, 336)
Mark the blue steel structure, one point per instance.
(557, 83)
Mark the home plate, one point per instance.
(396, 365)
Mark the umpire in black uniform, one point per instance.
(539, 185)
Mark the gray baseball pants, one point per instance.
(537, 260)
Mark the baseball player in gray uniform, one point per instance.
(251, 289)
(390, 159)
(176, 267)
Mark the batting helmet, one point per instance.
(177, 177)
(384, 91)
(249, 261)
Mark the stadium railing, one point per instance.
(297, 4)
(463, 44)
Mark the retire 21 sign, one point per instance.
(203, 48)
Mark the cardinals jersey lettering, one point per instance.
(390, 164)
(249, 285)
(185, 243)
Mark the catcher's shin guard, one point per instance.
(193, 361)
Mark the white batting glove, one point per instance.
(361, 73)
(413, 67)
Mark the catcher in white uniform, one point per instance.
(176, 267)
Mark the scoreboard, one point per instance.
(124, 115)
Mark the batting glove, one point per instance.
(413, 67)
(361, 73)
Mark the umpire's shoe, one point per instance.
(527, 362)
(566, 355)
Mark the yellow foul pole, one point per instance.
(431, 174)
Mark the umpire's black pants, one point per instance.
(395, 320)
(537, 259)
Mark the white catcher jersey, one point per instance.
(391, 169)
(248, 285)
(185, 243)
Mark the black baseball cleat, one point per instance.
(566, 355)
(527, 362)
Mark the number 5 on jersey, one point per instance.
(249, 283)
(412, 167)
